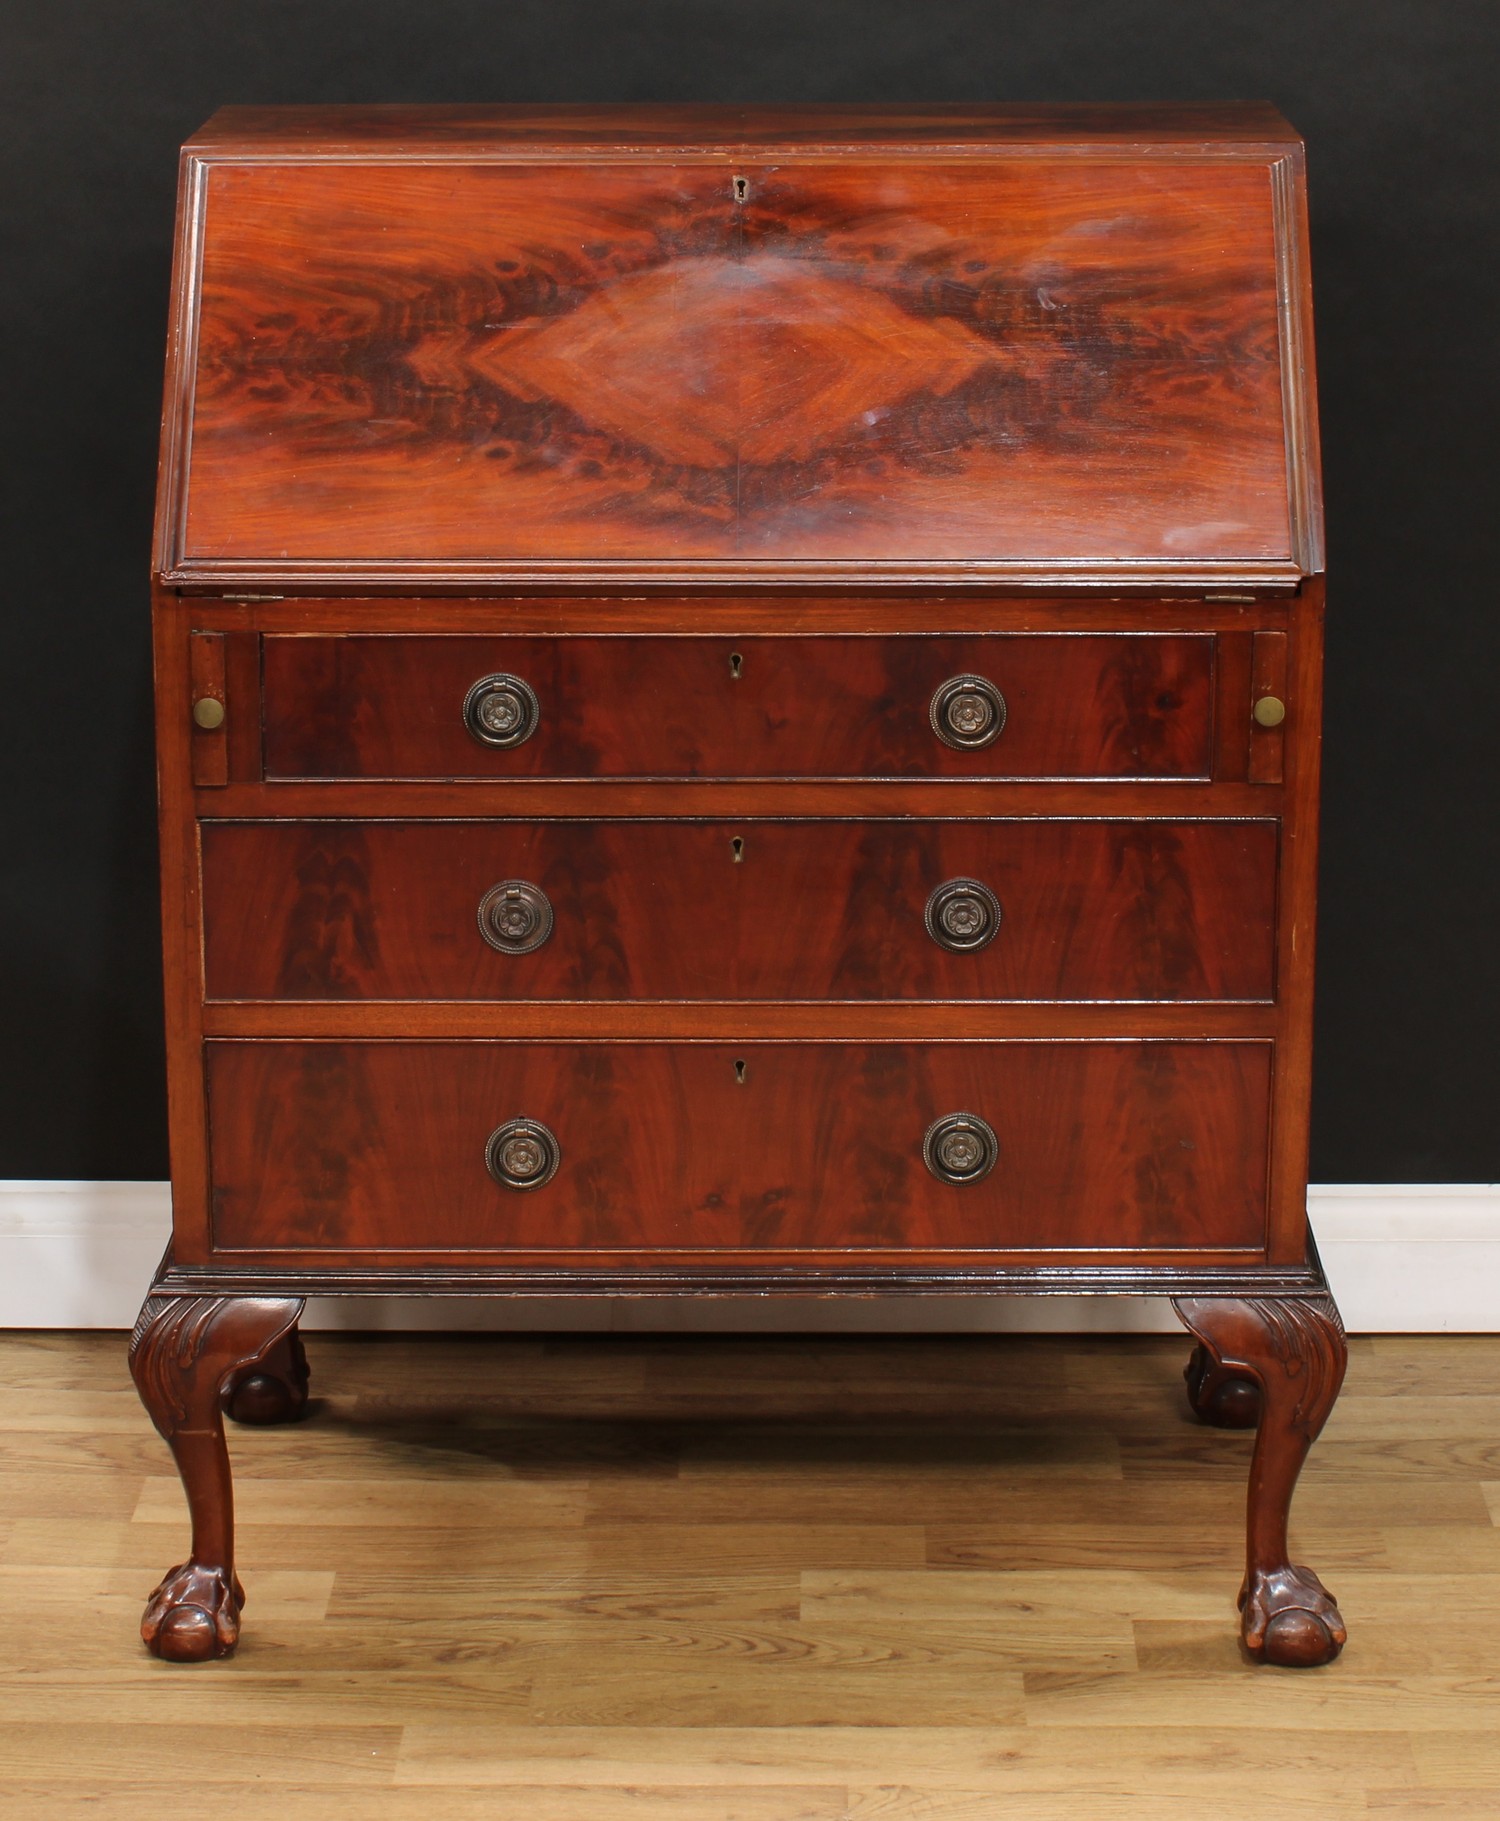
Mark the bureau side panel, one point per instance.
(182, 955)
(1302, 745)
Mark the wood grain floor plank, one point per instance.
(113, 1751)
(685, 1692)
(744, 1548)
(1338, 1700)
(1390, 1645)
(83, 1801)
(1439, 1805)
(1461, 1548)
(662, 1598)
(996, 1599)
(1015, 1759)
(1032, 1545)
(583, 1578)
(380, 1499)
(279, 1593)
(1283, 1798)
(1450, 1757)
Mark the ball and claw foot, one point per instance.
(1227, 1400)
(1289, 1617)
(194, 1615)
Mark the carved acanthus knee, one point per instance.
(1293, 1351)
(184, 1355)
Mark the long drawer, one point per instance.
(998, 705)
(855, 910)
(404, 1147)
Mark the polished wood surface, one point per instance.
(502, 799)
(558, 612)
(209, 684)
(849, 354)
(1079, 706)
(740, 910)
(592, 1578)
(722, 127)
(735, 434)
(185, 1355)
(1293, 1351)
(768, 1148)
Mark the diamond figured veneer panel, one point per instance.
(997, 359)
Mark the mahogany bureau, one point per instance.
(738, 705)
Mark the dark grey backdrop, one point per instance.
(1397, 99)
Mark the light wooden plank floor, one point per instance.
(751, 1579)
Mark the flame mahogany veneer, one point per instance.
(734, 438)
(1077, 707)
(1139, 910)
(323, 1150)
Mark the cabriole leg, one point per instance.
(184, 1355)
(1292, 1350)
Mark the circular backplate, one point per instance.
(960, 1148)
(967, 712)
(515, 916)
(962, 915)
(501, 710)
(522, 1154)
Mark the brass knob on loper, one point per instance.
(208, 713)
(1269, 711)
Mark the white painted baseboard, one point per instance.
(1403, 1258)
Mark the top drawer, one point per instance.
(1051, 705)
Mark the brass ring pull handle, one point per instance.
(960, 1148)
(522, 1154)
(967, 712)
(501, 710)
(515, 916)
(962, 915)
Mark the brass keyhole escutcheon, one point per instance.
(515, 916)
(208, 713)
(1269, 711)
(967, 712)
(739, 1073)
(522, 1154)
(736, 665)
(501, 710)
(960, 1148)
(962, 915)
(737, 849)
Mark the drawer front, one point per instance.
(854, 910)
(1113, 1146)
(1074, 706)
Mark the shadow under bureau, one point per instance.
(738, 704)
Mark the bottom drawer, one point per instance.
(327, 1148)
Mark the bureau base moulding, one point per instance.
(1401, 1258)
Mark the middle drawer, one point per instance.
(868, 909)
